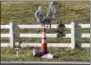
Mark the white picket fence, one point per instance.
(12, 35)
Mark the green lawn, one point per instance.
(64, 54)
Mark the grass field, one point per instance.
(64, 54)
(23, 13)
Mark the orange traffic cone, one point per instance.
(44, 42)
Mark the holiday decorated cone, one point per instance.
(44, 42)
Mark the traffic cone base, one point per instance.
(43, 53)
(47, 56)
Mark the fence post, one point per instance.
(72, 35)
(11, 35)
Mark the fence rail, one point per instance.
(34, 26)
(83, 45)
(52, 35)
(12, 35)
